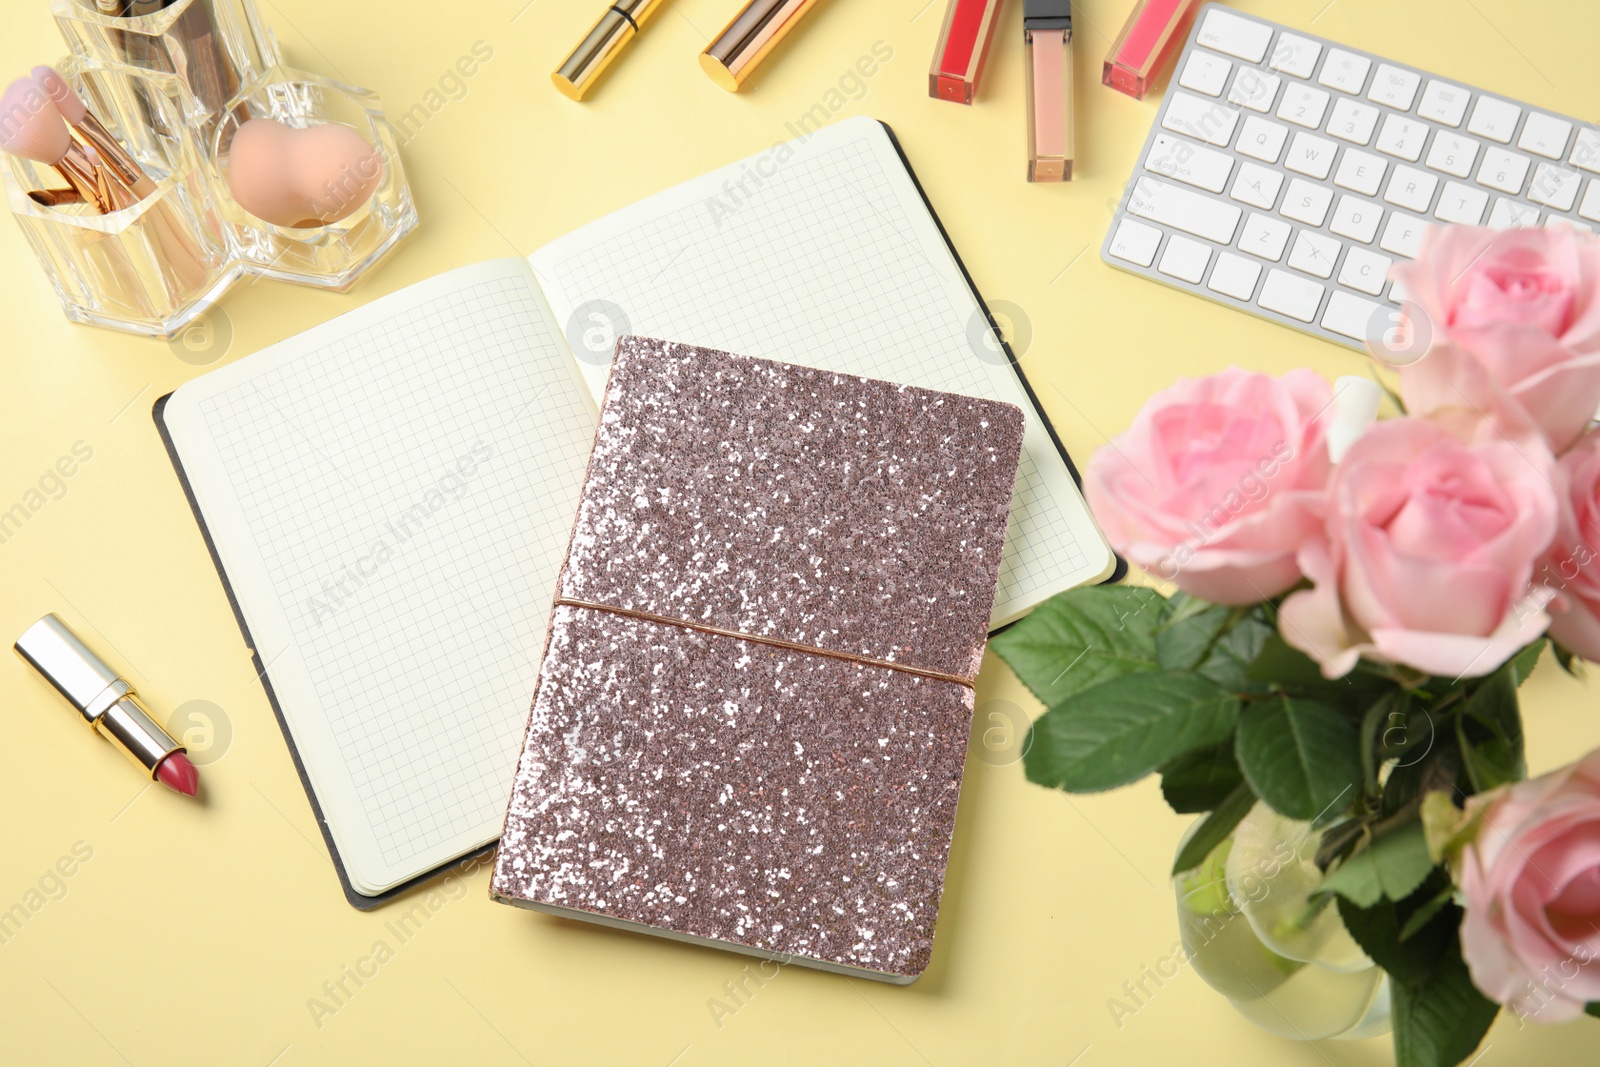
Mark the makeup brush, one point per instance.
(55, 197)
(94, 132)
(32, 127)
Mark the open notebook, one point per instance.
(388, 496)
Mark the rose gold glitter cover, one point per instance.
(741, 791)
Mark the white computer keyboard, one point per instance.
(1287, 173)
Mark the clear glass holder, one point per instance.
(334, 255)
(148, 268)
(217, 48)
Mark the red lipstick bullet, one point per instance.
(107, 703)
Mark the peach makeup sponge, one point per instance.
(301, 177)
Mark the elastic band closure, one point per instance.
(770, 642)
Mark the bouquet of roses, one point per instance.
(1358, 601)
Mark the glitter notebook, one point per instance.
(754, 706)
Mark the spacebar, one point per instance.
(1183, 210)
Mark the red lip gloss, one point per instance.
(107, 703)
(1154, 31)
(963, 50)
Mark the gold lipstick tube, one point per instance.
(738, 50)
(619, 25)
(107, 703)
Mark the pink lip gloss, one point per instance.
(1153, 33)
(1047, 34)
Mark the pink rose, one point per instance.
(1427, 553)
(1531, 882)
(1211, 488)
(1515, 321)
(1573, 566)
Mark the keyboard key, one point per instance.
(1351, 316)
(1265, 237)
(1360, 172)
(1172, 206)
(1288, 294)
(1494, 119)
(1395, 87)
(1510, 215)
(1356, 219)
(1234, 276)
(1204, 168)
(1352, 121)
(1185, 259)
(1262, 140)
(1345, 71)
(1296, 56)
(1204, 120)
(1257, 186)
(1586, 150)
(1136, 242)
(1402, 137)
(1303, 105)
(1461, 204)
(1555, 187)
(1411, 188)
(1315, 253)
(1366, 271)
(1397, 293)
(1312, 155)
(1444, 103)
(1453, 154)
(1503, 170)
(1556, 222)
(1254, 89)
(1306, 203)
(1403, 235)
(1241, 37)
(1205, 73)
(1590, 208)
(1545, 135)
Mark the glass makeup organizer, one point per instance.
(173, 86)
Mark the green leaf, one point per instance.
(1120, 731)
(1490, 732)
(1281, 664)
(1384, 713)
(1594, 1009)
(1083, 637)
(1523, 663)
(1219, 643)
(1392, 865)
(1300, 757)
(1381, 931)
(1439, 1021)
(1567, 660)
(1199, 781)
(1426, 911)
(1216, 828)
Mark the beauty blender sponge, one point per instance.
(299, 177)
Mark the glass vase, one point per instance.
(1255, 930)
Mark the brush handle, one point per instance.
(118, 159)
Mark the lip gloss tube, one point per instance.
(1047, 33)
(1153, 33)
(963, 50)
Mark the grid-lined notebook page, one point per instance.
(822, 252)
(391, 496)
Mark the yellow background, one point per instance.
(198, 932)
